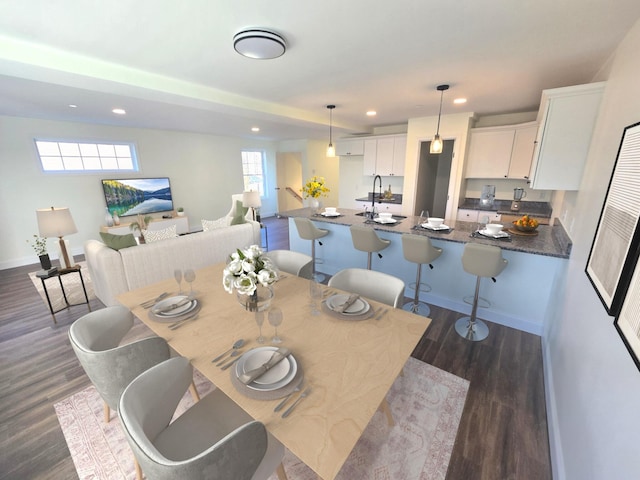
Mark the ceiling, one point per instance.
(172, 65)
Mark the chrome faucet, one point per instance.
(373, 196)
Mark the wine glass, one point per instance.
(190, 276)
(275, 319)
(315, 292)
(177, 274)
(259, 322)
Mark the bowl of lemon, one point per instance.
(525, 224)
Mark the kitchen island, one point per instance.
(519, 297)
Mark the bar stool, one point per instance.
(418, 249)
(308, 231)
(481, 261)
(367, 240)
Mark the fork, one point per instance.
(286, 399)
(302, 396)
(151, 303)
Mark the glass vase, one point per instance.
(315, 206)
(259, 301)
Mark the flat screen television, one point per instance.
(135, 196)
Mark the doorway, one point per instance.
(288, 180)
(434, 171)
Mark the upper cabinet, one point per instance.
(385, 155)
(567, 117)
(349, 146)
(501, 152)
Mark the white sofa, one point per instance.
(117, 271)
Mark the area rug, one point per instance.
(72, 287)
(426, 402)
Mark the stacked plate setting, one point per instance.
(336, 303)
(163, 311)
(278, 376)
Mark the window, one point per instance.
(81, 156)
(253, 171)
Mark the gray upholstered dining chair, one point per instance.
(377, 286)
(95, 338)
(295, 263)
(214, 439)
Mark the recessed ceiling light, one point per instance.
(460, 101)
(119, 111)
(259, 43)
(71, 105)
(371, 113)
(255, 129)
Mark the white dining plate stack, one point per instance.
(278, 376)
(336, 303)
(173, 308)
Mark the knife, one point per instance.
(350, 301)
(277, 357)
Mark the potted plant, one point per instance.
(40, 247)
(140, 224)
(180, 212)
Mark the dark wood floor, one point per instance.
(503, 432)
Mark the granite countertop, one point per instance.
(551, 241)
(396, 198)
(534, 209)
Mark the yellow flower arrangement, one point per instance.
(315, 187)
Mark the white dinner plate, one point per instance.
(276, 377)
(359, 307)
(486, 233)
(326, 214)
(382, 220)
(433, 227)
(176, 312)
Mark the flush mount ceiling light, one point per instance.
(259, 43)
(436, 143)
(331, 151)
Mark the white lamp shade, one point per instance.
(55, 222)
(331, 151)
(251, 199)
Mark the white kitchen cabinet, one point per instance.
(465, 215)
(468, 215)
(385, 155)
(394, 208)
(349, 146)
(501, 152)
(566, 120)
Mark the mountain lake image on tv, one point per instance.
(137, 196)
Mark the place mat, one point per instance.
(434, 230)
(177, 318)
(266, 395)
(499, 239)
(363, 316)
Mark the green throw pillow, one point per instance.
(118, 241)
(241, 211)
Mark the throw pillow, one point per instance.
(156, 235)
(238, 216)
(117, 242)
(213, 224)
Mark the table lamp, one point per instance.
(57, 222)
(251, 200)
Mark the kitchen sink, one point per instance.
(396, 217)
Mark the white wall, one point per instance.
(204, 171)
(593, 385)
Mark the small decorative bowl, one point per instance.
(522, 228)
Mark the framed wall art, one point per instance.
(615, 248)
(628, 320)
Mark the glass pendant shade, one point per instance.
(436, 144)
(331, 150)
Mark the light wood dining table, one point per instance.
(349, 364)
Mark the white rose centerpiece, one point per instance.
(250, 273)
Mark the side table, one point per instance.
(44, 275)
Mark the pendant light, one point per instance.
(436, 143)
(331, 151)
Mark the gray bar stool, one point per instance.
(481, 261)
(418, 249)
(367, 240)
(308, 231)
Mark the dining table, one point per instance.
(350, 363)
